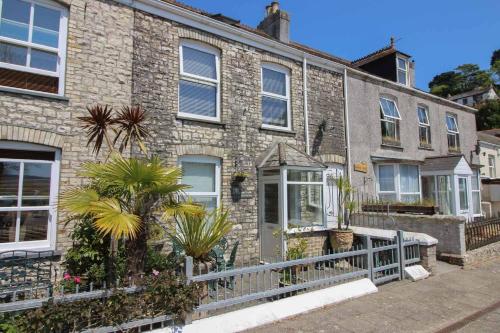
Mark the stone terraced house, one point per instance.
(222, 98)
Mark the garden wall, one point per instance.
(448, 230)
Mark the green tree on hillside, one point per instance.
(464, 78)
(488, 115)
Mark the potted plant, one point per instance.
(240, 176)
(342, 237)
(296, 249)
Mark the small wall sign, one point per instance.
(361, 167)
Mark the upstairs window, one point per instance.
(424, 127)
(275, 97)
(402, 65)
(492, 166)
(199, 81)
(32, 45)
(389, 117)
(453, 134)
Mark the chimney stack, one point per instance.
(276, 23)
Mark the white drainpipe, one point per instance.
(346, 125)
(306, 115)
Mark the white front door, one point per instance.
(271, 235)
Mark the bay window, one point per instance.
(199, 81)
(398, 182)
(28, 194)
(453, 134)
(476, 193)
(424, 126)
(275, 97)
(202, 174)
(33, 45)
(389, 117)
(463, 194)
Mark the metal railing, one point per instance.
(482, 232)
(381, 260)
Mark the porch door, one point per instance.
(271, 227)
(444, 194)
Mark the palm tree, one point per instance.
(125, 196)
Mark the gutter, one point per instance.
(347, 132)
(306, 113)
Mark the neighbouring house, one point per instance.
(489, 157)
(475, 96)
(223, 99)
(407, 145)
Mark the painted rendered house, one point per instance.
(489, 156)
(407, 145)
(475, 96)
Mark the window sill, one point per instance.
(426, 148)
(198, 120)
(391, 146)
(33, 93)
(454, 151)
(272, 129)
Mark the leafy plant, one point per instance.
(160, 262)
(345, 200)
(97, 124)
(130, 124)
(124, 197)
(197, 235)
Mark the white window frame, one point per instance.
(492, 166)
(50, 242)
(468, 199)
(60, 50)
(453, 132)
(426, 125)
(389, 118)
(200, 79)
(397, 181)
(283, 70)
(210, 160)
(402, 69)
(477, 191)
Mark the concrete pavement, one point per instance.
(453, 299)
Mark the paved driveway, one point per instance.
(467, 300)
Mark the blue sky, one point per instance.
(439, 34)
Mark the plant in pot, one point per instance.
(342, 237)
(296, 249)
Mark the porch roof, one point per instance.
(446, 163)
(284, 154)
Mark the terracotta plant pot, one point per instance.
(341, 239)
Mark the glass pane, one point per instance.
(409, 178)
(386, 178)
(43, 60)
(422, 116)
(423, 132)
(462, 190)
(13, 54)
(200, 176)
(475, 180)
(210, 203)
(274, 172)
(8, 227)
(401, 63)
(15, 19)
(46, 26)
(428, 188)
(387, 197)
(304, 176)
(271, 204)
(305, 205)
(410, 198)
(199, 63)
(453, 141)
(401, 76)
(33, 225)
(451, 123)
(273, 82)
(36, 184)
(197, 98)
(389, 108)
(9, 183)
(389, 131)
(476, 203)
(274, 111)
(444, 194)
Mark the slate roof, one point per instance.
(284, 154)
(490, 136)
(472, 92)
(441, 163)
(378, 54)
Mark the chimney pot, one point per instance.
(275, 6)
(268, 10)
(276, 23)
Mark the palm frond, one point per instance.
(130, 123)
(79, 200)
(97, 125)
(111, 219)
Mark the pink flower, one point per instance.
(77, 279)
(155, 272)
(66, 276)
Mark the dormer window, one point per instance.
(402, 66)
